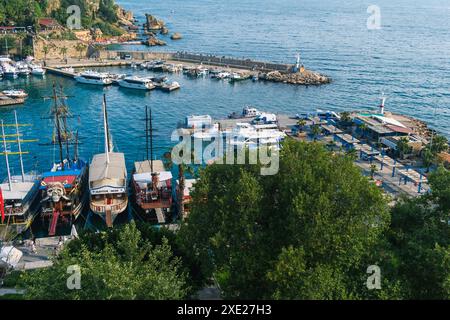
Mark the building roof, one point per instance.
(48, 23)
(399, 129)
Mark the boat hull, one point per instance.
(125, 84)
(109, 213)
(104, 82)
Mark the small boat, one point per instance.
(18, 194)
(223, 75)
(156, 65)
(93, 77)
(15, 94)
(108, 179)
(9, 71)
(23, 71)
(169, 86)
(172, 68)
(135, 82)
(151, 184)
(37, 70)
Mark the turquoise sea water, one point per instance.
(408, 59)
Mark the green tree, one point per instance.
(439, 144)
(345, 117)
(46, 50)
(124, 267)
(420, 238)
(428, 158)
(313, 222)
(80, 47)
(301, 124)
(315, 131)
(403, 147)
(63, 51)
(373, 170)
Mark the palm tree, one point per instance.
(363, 127)
(80, 48)
(46, 50)
(301, 124)
(373, 169)
(345, 117)
(439, 144)
(403, 147)
(428, 158)
(183, 169)
(63, 51)
(315, 130)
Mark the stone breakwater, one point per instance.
(298, 78)
(267, 71)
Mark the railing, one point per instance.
(113, 208)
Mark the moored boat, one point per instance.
(93, 77)
(151, 184)
(108, 180)
(18, 194)
(16, 94)
(63, 187)
(135, 82)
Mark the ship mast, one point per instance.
(6, 157)
(20, 147)
(58, 126)
(106, 128)
(149, 135)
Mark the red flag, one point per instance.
(2, 205)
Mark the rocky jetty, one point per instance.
(297, 78)
(152, 23)
(176, 36)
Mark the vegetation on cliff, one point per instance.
(102, 14)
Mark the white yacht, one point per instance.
(136, 82)
(9, 71)
(15, 93)
(93, 77)
(246, 134)
(37, 70)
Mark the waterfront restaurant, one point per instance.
(378, 126)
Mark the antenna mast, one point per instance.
(106, 128)
(20, 147)
(58, 126)
(6, 157)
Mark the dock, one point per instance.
(7, 101)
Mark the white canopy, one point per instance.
(9, 256)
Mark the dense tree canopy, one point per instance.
(316, 221)
(311, 231)
(114, 265)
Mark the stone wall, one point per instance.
(200, 58)
(54, 47)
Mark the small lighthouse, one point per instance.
(297, 64)
(383, 102)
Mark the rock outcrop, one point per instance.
(153, 41)
(176, 36)
(298, 78)
(152, 23)
(164, 30)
